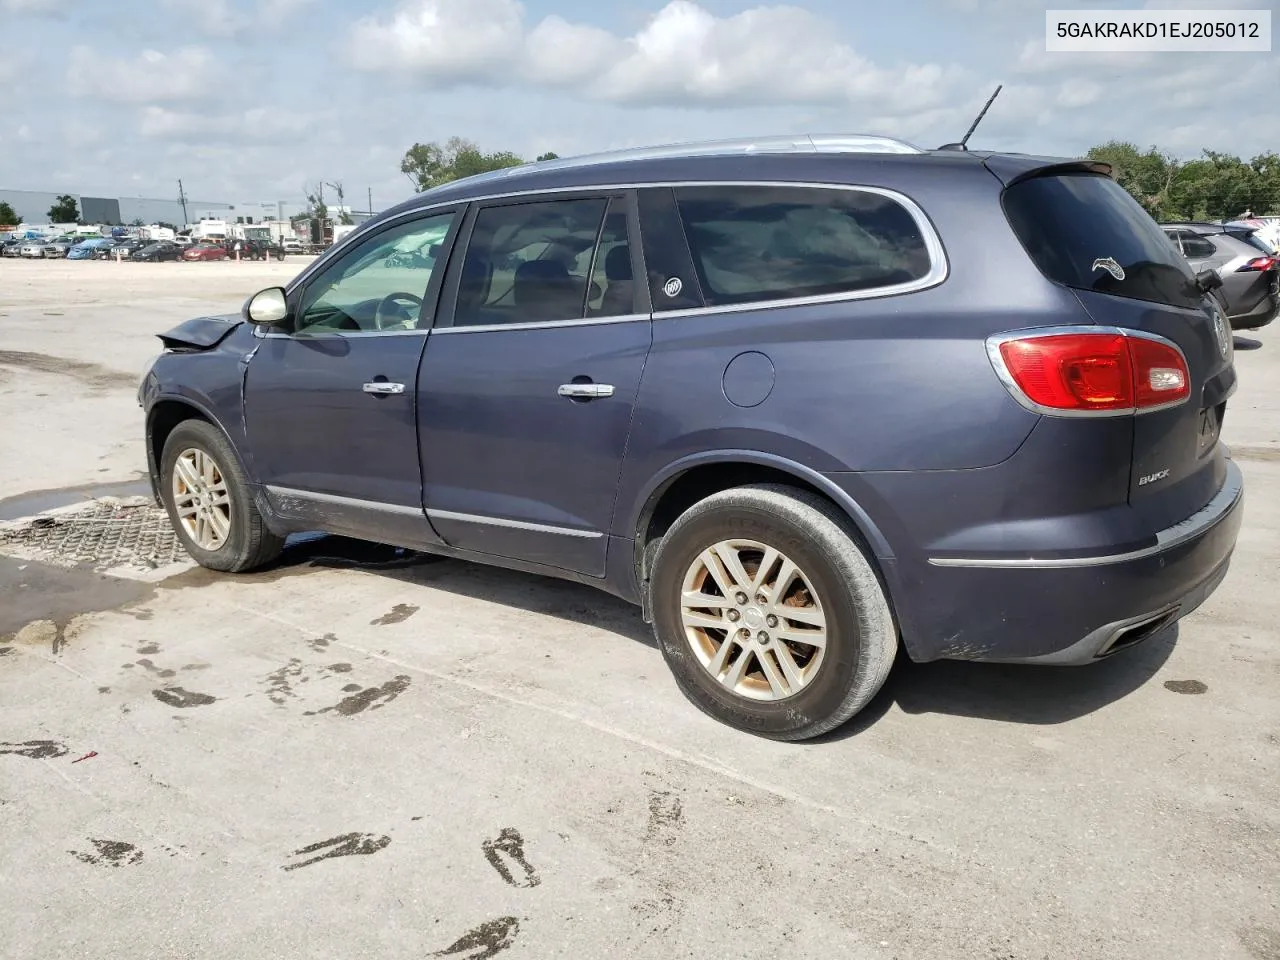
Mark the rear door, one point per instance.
(529, 380)
(1085, 231)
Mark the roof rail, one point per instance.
(799, 143)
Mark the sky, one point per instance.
(249, 100)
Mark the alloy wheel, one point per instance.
(753, 619)
(201, 498)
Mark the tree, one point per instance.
(428, 165)
(344, 217)
(315, 201)
(1147, 176)
(548, 156)
(65, 210)
(137, 222)
(9, 216)
(1215, 186)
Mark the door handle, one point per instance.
(382, 387)
(585, 391)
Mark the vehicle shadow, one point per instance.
(574, 602)
(1005, 692)
(1245, 343)
(1013, 693)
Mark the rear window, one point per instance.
(1253, 240)
(1086, 231)
(754, 244)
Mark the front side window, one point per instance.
(760, 243)
(380, 284)
(534, 262)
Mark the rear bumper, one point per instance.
(1263, 312)
(1068, 610)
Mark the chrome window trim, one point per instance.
(939, 266)
(1196, 525)
(995, 341)
(539, 324)
(331, 334)
(513, 524)
(377, 506)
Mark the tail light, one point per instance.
(1258, 264)
(1101, 372)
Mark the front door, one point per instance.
(330, 407)
(529, 380)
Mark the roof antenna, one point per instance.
(974, 125)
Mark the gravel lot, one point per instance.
(362, 753)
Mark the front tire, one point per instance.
(769, 614)
(207, 497)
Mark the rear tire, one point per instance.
(209, 502)
(770, 681)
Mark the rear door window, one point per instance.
(761, 243)
(533, 262)
(1086, 231)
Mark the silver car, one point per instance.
(33, 249)
(1249, 269)
(58, 248)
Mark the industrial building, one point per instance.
(33, 207)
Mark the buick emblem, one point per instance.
(672, 287)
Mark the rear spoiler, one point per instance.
(1013, 168)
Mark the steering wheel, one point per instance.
(385, 319)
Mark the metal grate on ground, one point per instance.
(106, 534)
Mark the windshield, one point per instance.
(1085, 231)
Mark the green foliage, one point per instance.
(428, 165)
(548, 156)
(9, 216)
(65, 210)
(1217, 186)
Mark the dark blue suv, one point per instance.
(802, 400)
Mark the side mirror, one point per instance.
(267, 307)
(1208, 280)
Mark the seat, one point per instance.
(544, 290)
(619, 296)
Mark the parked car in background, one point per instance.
(802, 400)
(205, 251)
(33, 249)
(12, 247)
(88, 249)
(292, 245)
(123, 249)
(1266, 229)
(155, 252)
(183, 240)
(58, 247)
(1249, 269)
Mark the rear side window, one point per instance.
(1198, 248)
(1086, 231)
(759, 243)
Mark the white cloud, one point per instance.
(263, 125)
(273, 13)
(187, 74)
(35, 7)
(684, 55)
(454, 39)
(215, 18)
